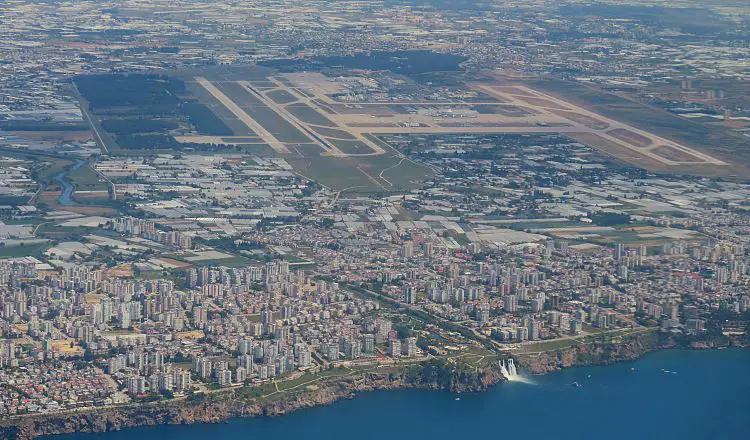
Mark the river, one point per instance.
(67, 187)
(676, 394)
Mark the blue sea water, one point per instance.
(668, 395)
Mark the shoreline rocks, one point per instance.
(220, 407)
(435, 374)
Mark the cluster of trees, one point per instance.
(140, 125)
(142, 108)
(204, 120)
(147, 142)
(162, 142)
(609, 218)
(133, 90)
(230, 244)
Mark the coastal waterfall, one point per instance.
(508, 369)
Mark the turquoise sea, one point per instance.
(668, 395)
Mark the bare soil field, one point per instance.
(123, 270)
(50, 197)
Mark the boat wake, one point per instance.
(511, 373)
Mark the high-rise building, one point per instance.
(382, 329)
(428, 249)
(240, 374)
(266, 316)
(407, 249)
(224, 377)
(304, 356)
(522, 333)
(246, 361)
(410, 294)
(410, 347)
(136, 385)
(533, 329)
(537, 305)
(244, 345)
(575, 326)
(368, 343)
(7, 353)
(123, 316)
(351, 348)
(482, 313)
(394, 348)
(619, 252)
(182, 380)
(204, 368)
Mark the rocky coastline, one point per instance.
(435, 374)
(221, 406)
(627, 349)
(595, 353)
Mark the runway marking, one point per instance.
(227, 102)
